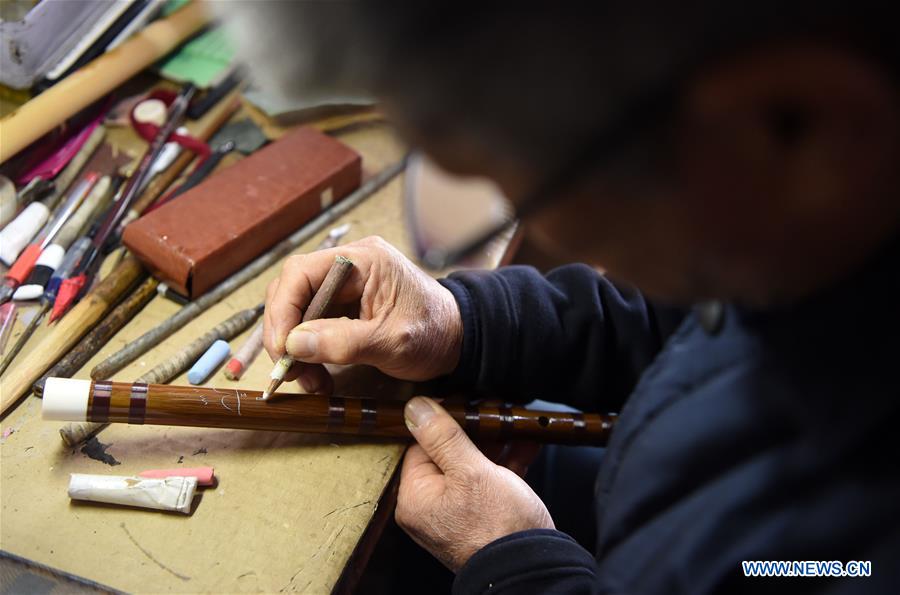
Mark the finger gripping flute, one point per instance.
(69, 399)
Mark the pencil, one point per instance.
(337, 275)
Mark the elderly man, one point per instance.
(742, 162)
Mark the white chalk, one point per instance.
(208, 362)
(171, 493)
(21, 230)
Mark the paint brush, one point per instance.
(334, 280)
(86, 269)
(46, 278)
(53, 255)
(58, 292)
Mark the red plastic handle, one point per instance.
(23, 265)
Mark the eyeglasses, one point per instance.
(639, 116)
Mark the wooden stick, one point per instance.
(151, 338)
(139, 403)
(81, 88)
(334, 280)
(61, 338)
(73, 434)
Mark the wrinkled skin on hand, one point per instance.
(453, 499)
(400, 320)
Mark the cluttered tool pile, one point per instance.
(134, 170)
(121, 184)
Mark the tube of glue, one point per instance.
(170, 493)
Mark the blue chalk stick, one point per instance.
(208, 362)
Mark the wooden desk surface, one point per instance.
(288, 509)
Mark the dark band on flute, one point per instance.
(336, 412)
(368, 415)
(98, 407)
(507, 422)
(471, 425)
(116, 402)
(137, 407)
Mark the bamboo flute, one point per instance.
(139, 403)
(168, 369)
(63, 336)
(154, 336)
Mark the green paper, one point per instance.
(203, 61)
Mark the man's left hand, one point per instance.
(453, 500)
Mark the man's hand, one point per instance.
(404, 322)
(453, 500)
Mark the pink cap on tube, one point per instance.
(204, 475)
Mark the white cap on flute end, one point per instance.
(65, 399)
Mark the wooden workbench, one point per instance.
(288, 510)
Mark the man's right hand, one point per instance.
(403, 322)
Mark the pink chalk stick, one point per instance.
(204, 475)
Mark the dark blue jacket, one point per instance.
(775, 437)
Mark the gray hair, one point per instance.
(533, 82)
